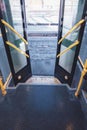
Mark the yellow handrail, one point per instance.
(84, 71)
(19, 50)
(3, 86)
(71, 30)
(71, 46)
(13, 30)
(7, 80)
(80, 61)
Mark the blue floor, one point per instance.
(39, 107)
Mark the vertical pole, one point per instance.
(2, 87)
(84, 71)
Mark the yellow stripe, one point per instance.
(71, 30)
(19, 50)
(71, 46)
(13, 30)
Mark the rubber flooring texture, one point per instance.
(36, 107)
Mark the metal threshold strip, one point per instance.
(43, 80)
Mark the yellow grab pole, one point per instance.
(19, 50)
(71, 46)
(81, 61)
(84, 71)
(7, 80)
(13, 30)
(2, 87)
(71, 30)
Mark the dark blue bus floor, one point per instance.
(41, 107)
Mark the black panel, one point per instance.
(59, 73)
